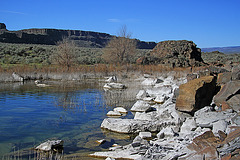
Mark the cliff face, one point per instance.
(51, 36)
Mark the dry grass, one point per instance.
(97, 68)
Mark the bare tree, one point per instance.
(65, 54)
(121, 48)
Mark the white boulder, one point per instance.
(129, 125)
(146, 116)
(188, 126)
(114, 113)
(160, 99)
(120, 109)
(141, 106)
(145, 135)
(206, 119)
(166, 132)
(142, 94)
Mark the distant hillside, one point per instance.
(226, 50)
(51, 36)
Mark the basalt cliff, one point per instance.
(51, 36)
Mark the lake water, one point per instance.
(70, 111)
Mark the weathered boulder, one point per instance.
(229, 95)
(177, 53)
(224, 77)
(196, 94)
(234, 102)
(206, 119)
(203, 147)
(236, 73)
(230, 144)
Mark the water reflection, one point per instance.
(71, 111)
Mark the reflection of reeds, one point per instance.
(32, 154)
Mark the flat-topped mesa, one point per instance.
(51, 36)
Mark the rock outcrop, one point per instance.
(51, 36)
(181, 53)
(196, 94)
(3, 26)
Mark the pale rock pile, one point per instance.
(203, 134)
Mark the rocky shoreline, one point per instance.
(195, 117)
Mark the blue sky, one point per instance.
(208, 23)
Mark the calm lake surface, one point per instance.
(70, 111)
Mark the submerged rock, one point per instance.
(50, 145)
(101, 141)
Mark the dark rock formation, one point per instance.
(51, 36)
(196, 94)
(181, 53)
(3, 26)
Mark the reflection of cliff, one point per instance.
(51, 36)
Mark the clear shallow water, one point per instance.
(72, 112)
